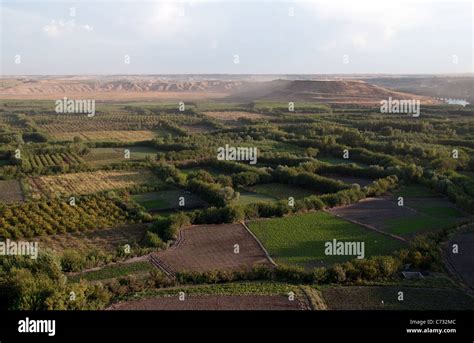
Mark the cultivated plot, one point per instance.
(281, 191)
(300, 239)
(88, 182)
(416, 216)
(98, 157)
(215, 302)
(169, 199)
(210, 247)
(246, 198)
(387, 298)
(108, 136)
(10, 191)
(105, 240)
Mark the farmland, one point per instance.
(114, 271)
(37, 219)
(168, 199)
(105, 240)
(299, 240)
(236, 296)
(40, 162)
(386, 298)
(119, 136)
(281, 191)
(99, 157)
(10, 191)
(213, 302)
(87, 182)
(209, 247)
(118, 121)
(128, 233)
(418, 215)
(246, 198)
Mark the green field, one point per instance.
(114, 271)
(434, 212)
(98, 157)
(414, 191)
(166, 200)
(233, 288)
(299, 240)
(281, 191)
(246, 198)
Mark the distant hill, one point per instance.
(189, 87)
(108, 87)
(456, 87)
(324, 91)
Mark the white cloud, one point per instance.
(329, 46)
(58, 27)
(166, 20)
(359, 40)
(381, 21)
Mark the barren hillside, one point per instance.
(154, 87)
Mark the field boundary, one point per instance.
(315, 298)
(161, 265)
(267, 255)
(462, 282)
(367, 226)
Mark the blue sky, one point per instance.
(364, 36)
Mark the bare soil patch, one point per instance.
(210, 247)
(214, 302)
(10, 191)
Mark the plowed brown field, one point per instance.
(211, 247)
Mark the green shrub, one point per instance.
(72, 261)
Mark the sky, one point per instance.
(236, 37)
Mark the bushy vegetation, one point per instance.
(28, 284)
(30, 219)
(391, 150)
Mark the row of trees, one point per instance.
(308, 180)
(30, 219)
